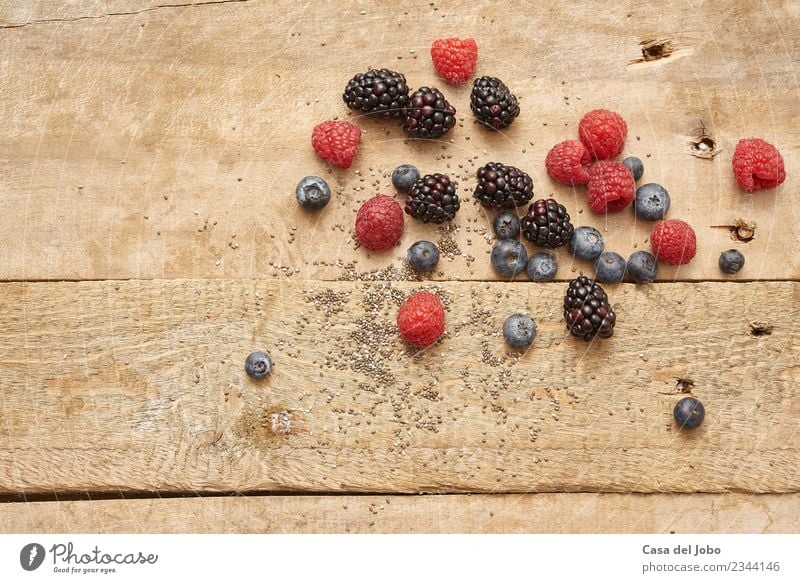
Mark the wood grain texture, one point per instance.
(15, 14)
(167, 143)
(139, 386)
(498, 513)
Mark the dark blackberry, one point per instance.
(433, 199)
(547, 224)
(587, 311)
(501, 186)
(428, 115)
(492, 103)
(382, 92)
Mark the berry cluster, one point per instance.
(611, 186)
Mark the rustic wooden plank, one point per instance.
(138, 146)
(483, 513)
(138, 386)
(15, 14)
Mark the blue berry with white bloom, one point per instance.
(642, 267)
(610, 267)
(313, 193)
(404, 177)
(423, 256)
(506, 225)
(635, 165)
(519, 331)
(509, 258)
(586, 243)
(651, 202)
(731, 261)
(542, 267)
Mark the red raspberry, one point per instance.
(454, 58)
(336, 142)
(673, 242)
(757, 165)
(421, 319)
(603, 133)
(569, 162)
(611, 187)
(379, 223)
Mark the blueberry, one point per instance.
(313, 193)
(404, 177)
(689, 413)
(635, 166)
(642, 267)
(542, 267)
(519, 331)
(509, 258)
(258, 365)
(423, 256)
(609, 267)
(652, 202)
(506, 225)
(586, 243)
(731, 261)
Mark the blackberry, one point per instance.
(428, 114)
(433, 199)
(492, 103)
(547, 224)
(382, 92)
(587, 311)
(501, 186)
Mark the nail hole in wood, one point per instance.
(703, 145)
(653, 50)
(761, 328)
(743, 231)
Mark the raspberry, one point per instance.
(379, 223)
(421, 319)
(336, 142)
(611, 187)
(569, 162)
(454, 59)
(757, 165)
(673, 242)
(603, 133)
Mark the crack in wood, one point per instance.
(133, 13)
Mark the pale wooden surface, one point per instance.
(163, 140)
(496, 513)
(212, 107)
(139, 386)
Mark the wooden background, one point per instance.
(149, 240)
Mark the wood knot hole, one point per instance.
(652, 50)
